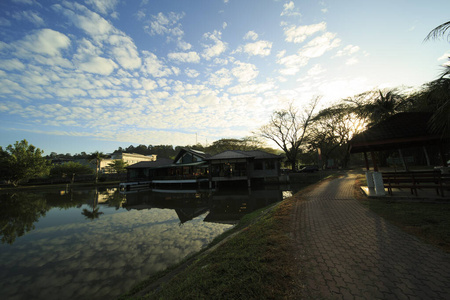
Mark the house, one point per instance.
(237, 165)
(196, 167)
(128, 158)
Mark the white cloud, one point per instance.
(298, 34)
(251, 35)
(45, 41)
(244, 72)
(221, 78)
(191, 73)
(318, 46)
(348, 50)
(444, 56)
(186, 57)
(154, 66)
(30, 16)
(316, 70)
(216, 48)
(125, 51)
(292, 64)
(89, 21)
(289, 10)
(98, 65)
(11, 64)
(351, 61)
(261, 48)
(103, 6)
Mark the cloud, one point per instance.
(90, 22)
(166, 24)
(261, 48)
(251, 35)
(351, 61)
(191, 73)
(298, 34)
(4, 22)
(289, 10)
(98, 65)
(11, 64)
(30, 16)
(125, 51)
(221, 78)
(316, 70)
(155, 67)
(216, 48)
(103, 6)
(186, 57)
(244, 72)
(319, 45)
(45, 41)
(292, 64)
(348, 50)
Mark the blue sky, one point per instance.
(93, 75)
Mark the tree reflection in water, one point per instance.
(95, 213)
(18, 213)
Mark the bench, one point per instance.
(417, 180)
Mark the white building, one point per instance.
(128, 158)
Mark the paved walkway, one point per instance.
(350, 253)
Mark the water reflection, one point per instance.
(97, 243)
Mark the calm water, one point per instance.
(98, 243)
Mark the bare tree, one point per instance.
(288, 129)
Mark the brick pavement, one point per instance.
(348, 252)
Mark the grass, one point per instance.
(428, 221)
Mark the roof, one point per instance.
(160, 162)
(399, 131)
(198, 153)
(237, 154)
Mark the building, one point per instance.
(128, 158)
(196, 167)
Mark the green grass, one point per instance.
(428, 221)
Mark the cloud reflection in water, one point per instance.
(101, 258)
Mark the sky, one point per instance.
(95, 75)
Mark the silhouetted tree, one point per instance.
(288, 129)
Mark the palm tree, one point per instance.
(97, 157)
(440, 89)
(439, 31)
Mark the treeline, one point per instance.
(170, 151)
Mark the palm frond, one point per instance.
(438, 32)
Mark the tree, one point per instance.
(118, 166)
(332, 128)
(97, 157)
(21, 162)
(439, 31)
(70, 169)
(440, 121)
(288, 129)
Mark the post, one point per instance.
(379, 184)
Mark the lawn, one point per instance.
(429, 221)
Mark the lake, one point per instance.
(96, 243)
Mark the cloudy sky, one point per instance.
(93, 75)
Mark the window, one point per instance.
(269, 164)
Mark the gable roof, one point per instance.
(160, 162)
(399, 131)
(198, 153)
(237, 154)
